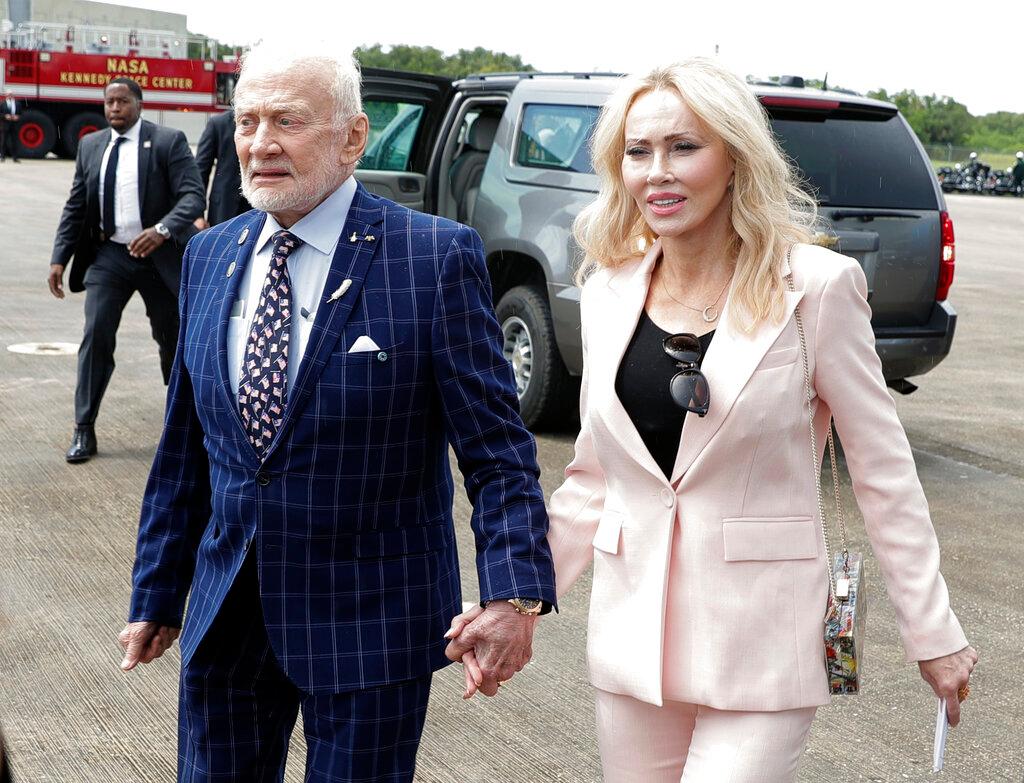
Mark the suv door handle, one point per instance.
(408, 185)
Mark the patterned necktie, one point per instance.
(109, 183)
(263, 388)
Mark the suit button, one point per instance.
(262, 478)
(382, 356)
(667, 498)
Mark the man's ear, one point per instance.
(355, 139)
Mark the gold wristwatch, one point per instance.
(527, 606)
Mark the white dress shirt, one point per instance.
(308, 266)
(127, 209)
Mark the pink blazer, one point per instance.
(750, 584)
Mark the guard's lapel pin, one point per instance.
(340, 290)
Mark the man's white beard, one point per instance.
(303, 196)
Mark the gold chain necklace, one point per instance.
(710, 313)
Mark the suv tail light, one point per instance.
(947, 262)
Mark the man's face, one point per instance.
(120, 107)
(291, 150)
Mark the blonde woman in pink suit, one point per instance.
(709, 588)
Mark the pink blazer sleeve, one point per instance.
(848, 378)
(575, 507)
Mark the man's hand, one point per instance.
(145, 243)
(947, 675)
(56, 280)
(144, 642)
(493, 646)
(200, 223)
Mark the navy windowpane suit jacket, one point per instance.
(350, 510)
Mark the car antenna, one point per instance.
(824, 83)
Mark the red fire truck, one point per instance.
(60, 72)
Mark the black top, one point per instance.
(642, 385)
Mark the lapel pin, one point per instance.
(147, 144)
(365, 238)
(340, 290)
(243, 236)
(354, 237)
(231, 268)
(369, 237)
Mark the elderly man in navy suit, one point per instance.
(333, 345)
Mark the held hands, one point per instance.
(949, 674)
(145, 243)
(144, 642)
(493, 644)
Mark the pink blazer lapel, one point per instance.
(728, 365)
(620, 324)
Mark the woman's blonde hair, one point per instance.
(770, 210)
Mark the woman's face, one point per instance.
(674, 168)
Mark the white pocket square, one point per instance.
(363, 344)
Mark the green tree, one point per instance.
(427, 59)
(935, 120)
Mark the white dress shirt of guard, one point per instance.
(308, 266)
(127, 208)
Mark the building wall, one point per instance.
(93, 13)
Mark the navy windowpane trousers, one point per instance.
(238, 709)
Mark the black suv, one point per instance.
(509, 155)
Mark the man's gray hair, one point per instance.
(275, 56)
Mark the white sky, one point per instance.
(862, 44)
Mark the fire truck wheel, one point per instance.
(36, 134)
(77, 126)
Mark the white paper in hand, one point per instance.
(941, 730)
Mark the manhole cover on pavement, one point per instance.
(45, 349)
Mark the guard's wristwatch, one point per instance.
(528, 606)
(162, 230)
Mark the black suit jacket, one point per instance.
(218, 144)
(170, 192)
(19, 107)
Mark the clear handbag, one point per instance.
(846, 610)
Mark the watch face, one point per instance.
(526, 604)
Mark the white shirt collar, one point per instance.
(322, 227)
(132, 134)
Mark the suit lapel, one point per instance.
(622, 322)
(730, 361)
(238, 254)
(350, 263)
(145, 144)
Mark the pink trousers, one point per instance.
(690, 743)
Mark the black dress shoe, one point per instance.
(83, 444)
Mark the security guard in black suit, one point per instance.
(217, 144)
(134, 198)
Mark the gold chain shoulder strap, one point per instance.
(814, 451)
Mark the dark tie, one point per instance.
(109, 183)
(263, 387)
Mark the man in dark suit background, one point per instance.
(134, 198)
(217, 145)
(10, 113)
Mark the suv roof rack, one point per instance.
(534, 74)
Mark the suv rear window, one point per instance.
(867, 161)
(556, 137)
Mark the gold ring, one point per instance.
(963, 693)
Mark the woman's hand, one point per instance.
(949, 674)
(470, 667)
